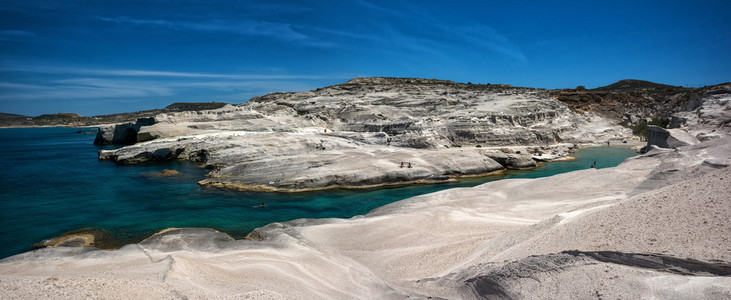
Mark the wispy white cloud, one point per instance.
(96, 89)
(378, 8)
(396, 41)
(438, 36)
(5, 86)
(435, 34)
(279, 31)
(81, 89)
(44, 69)
(16, 35)
(147, 73)
(488, 38)
(100, 84)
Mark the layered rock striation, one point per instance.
(359, 133)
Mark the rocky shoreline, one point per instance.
(358, 134)
(656, 226)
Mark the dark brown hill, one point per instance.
(627, 85)
(629, 101)
(4, 116)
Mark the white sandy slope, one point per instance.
(446, 244)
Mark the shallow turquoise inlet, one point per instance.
(53, 183)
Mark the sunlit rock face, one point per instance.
(358, 133)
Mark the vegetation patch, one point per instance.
(640, 129)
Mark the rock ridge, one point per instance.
(360, 132)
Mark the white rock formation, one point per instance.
(712, 118)
(357, 134)
(654, 227)
(668, 138)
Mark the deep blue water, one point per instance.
(52, 182)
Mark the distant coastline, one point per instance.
(620, 94)
(76, 120)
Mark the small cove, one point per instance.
(53, 183)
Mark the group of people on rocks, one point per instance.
(402, 165)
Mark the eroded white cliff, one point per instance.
(358, 133)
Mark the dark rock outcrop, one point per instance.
(512, 161)
(667, 138)
(84, 237)
(534, 275)
(631, 101)
(121, 134)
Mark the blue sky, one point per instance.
(99, 57)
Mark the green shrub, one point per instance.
(662, 122)
(640, 129)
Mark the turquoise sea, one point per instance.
(52, 182)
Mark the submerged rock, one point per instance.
(84, 237)
(167, 172)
